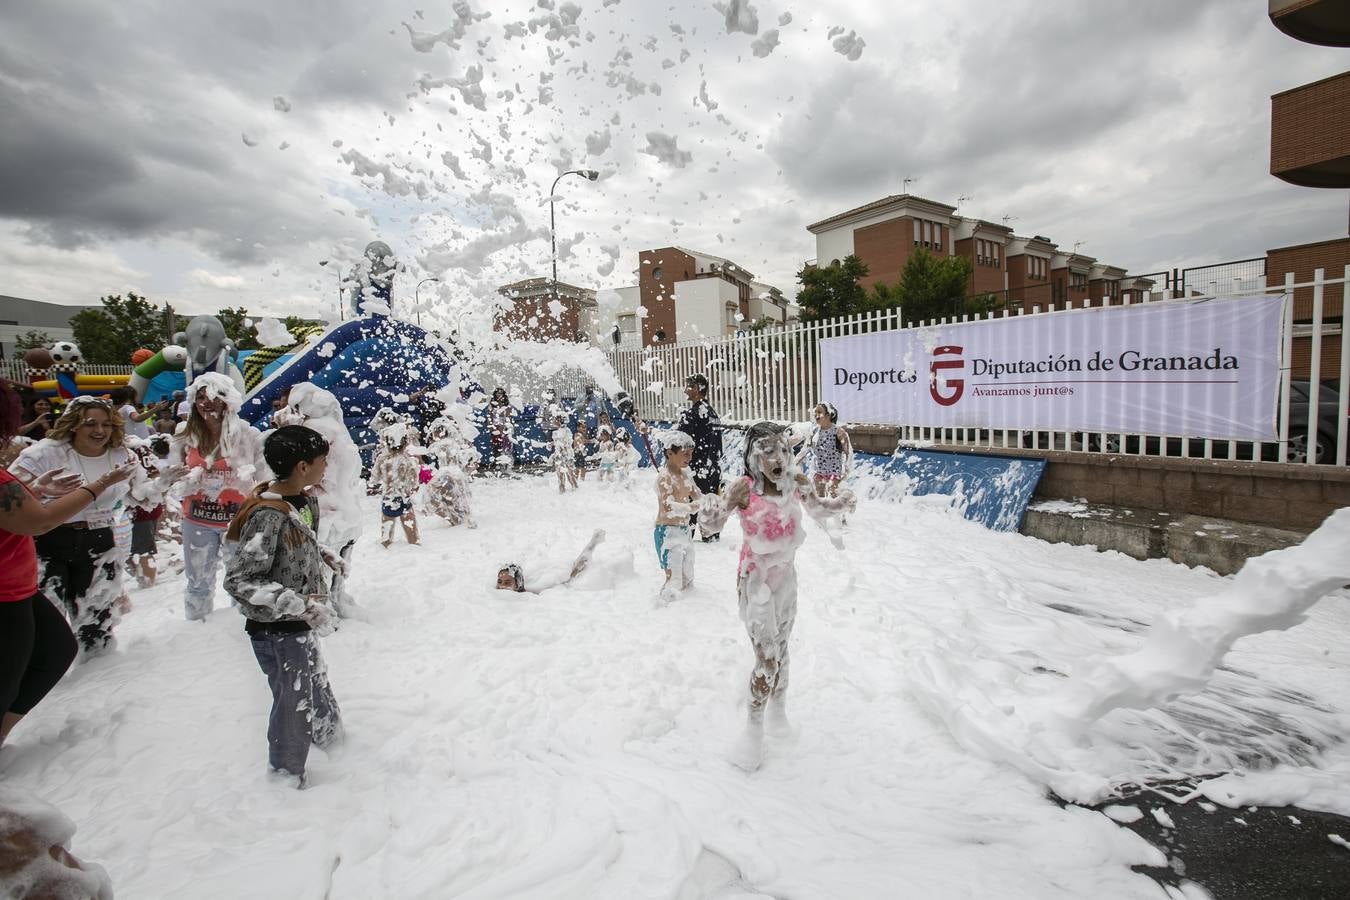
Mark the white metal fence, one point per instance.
(774, 374)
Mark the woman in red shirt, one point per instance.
(36, 644)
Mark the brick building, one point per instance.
(687, 294)
(1026, 272)
(539, 310)
(1310, 147)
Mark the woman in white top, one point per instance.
(80, 562)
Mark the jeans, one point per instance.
(303, 708)
(202, 552)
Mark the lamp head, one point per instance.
(590, 173)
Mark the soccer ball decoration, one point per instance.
(65, 355)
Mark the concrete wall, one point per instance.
(1289, 497)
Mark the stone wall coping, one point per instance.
(1287, 471)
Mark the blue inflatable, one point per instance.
(367, 363)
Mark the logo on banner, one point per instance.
(956, 386)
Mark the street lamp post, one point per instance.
(337, 270)
(589, 174)
(417, 296)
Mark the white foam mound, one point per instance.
(1080, 736)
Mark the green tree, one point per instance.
(929, 288)
(238, 327)
(111, 334)
(32, 338)
(761, 323)
(833, 290)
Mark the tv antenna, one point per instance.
(1007, 219)
(904, 188)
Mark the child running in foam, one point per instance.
(770, 499)
(627, 457)
(830, 450)
(563, 456)
(395, 472)
(677, 498)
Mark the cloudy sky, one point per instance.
(212, 153)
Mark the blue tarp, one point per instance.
(991, 490)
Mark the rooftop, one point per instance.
(894, 200)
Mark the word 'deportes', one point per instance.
(1126, 361)
(858, 379)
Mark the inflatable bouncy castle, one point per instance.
(368, 362)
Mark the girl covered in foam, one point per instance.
(770, 499)
(224, 461)
(447, 493)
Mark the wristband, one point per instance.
(85, 487)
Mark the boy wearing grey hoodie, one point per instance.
(278, 576)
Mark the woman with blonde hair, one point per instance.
(80, 561)
(222, 456)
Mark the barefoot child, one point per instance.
(581, 449)
(626, 456)
(279, 578)
(830, 450)
(677, 498)
(769, 499)
(396, 472)
(563, 457)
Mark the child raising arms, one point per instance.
(770, 499)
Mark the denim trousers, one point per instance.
(304, 711)
(203, 550)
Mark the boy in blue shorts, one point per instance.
(677, 498)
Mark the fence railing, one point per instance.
(17, 370)
(774, 374)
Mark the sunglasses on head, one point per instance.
(89, 401)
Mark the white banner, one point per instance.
(1205, 368)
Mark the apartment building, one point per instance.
(1310, 147)
(541, 310)
(1022, 271)
(684, 294)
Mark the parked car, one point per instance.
(1330, 409)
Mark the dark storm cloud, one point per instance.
(117, 120)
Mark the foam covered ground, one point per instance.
(572, 745)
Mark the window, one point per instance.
(1036, 267)
(628, 324)
(993, 253)
(659, 336)
(656, 273)
(916, 232)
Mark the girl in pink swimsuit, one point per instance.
(770, 500)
